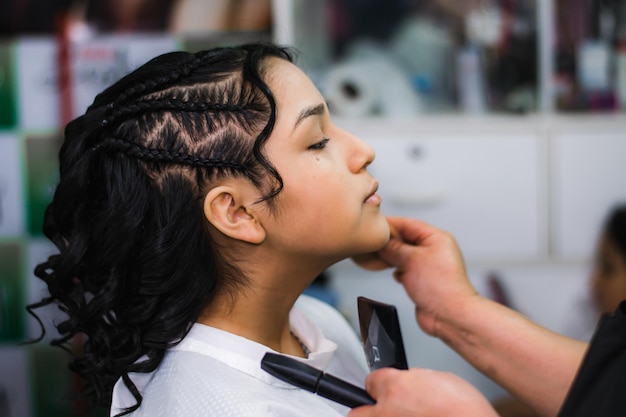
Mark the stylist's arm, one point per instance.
(533, 363)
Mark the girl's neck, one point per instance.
(258, 315)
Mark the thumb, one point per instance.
(407, 235)
(374, 385)
(377, 381)
(397, 253)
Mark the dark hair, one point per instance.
(615, 228)
(136, 264)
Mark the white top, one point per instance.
(216, 373)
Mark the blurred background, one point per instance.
(501, 121)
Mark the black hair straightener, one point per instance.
(383, 346)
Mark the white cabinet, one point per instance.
(483, 185)
(588, 167)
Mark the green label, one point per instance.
(8, 112)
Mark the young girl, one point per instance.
(199, 196)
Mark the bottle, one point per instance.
(470, 80)
(620, 74)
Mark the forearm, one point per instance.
(531, 362)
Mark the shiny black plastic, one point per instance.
(306, 377)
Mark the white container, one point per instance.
(470, 81)
(620, 76)
(593, 66)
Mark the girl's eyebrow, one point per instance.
(315, 110)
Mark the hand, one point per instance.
(429, 265)
(422, 393)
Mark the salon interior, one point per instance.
(500, 121)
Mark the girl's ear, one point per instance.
(227, 208)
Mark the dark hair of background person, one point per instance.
(615, 228)
(136, 264)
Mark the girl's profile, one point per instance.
(199, 196)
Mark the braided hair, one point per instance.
(135, 264)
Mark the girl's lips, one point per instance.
(373, 199)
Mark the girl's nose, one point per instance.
(361, 153)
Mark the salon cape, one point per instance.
(215, 373)
(599, 389)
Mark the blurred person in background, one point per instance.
(607, 286)
(608, 279)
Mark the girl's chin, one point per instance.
(372, 260)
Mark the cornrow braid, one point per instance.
(174, 105)
(161, 155)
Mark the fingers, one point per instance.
(407, 234)
(397, 252)
(362, 411)
(375, 384)
(378, 380)
(409, 230)
(371, 261)
(422, 392)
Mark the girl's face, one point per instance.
(328, 206)
(608, 280)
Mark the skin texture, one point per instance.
(328, 210)
(429, 265)
(424, 393)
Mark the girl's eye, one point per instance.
(319, 145)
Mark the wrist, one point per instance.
(461, 319)
(448, 318)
